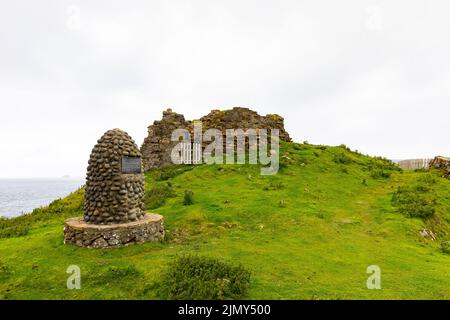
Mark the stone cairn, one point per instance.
(114, 198)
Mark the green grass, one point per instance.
(309, 232)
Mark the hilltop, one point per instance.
(309, 232)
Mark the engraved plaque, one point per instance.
(131, 165)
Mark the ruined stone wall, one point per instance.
(243, 118)
(157, 147)
(441, 163)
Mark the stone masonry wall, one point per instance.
(112, 197)
(80, 233)
(157, 147)
(441, 163)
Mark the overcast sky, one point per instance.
(374, 75)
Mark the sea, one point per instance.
(19, 196)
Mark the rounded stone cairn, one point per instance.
(114, 198)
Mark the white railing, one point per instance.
(191, 153)
(414, 163)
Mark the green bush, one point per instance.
(126, 270)
(343, 146)
(171, 172)
(11, 230)
(274, 185)
(157, 196)
(382, 164)
(342, 158)
(428, 179)
(3, 268)
(188, 197)
(283, 165)
(414, 201)
(4, 272)
(203, 278)
(445, 246)
(380, 174)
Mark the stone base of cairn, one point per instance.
(80, 233)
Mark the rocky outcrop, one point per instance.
(442, 163)
(111, 195)
(157, 147)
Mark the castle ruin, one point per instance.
(157, 147)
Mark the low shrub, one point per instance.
(188, 197)
(343, 146)
(283, 165)
(342, 158)
(274, 185)
(171, 172)
(158, 195)
(12, 230)
(382, 164)
(3, 268)
(428, 179)
(203, 278)
(445, 246)
(380, 174)
(415, 201)
(126, 270)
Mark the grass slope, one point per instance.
(308, 232)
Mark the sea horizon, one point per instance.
(22, 195)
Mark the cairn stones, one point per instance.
(111, 195)
(114, 210)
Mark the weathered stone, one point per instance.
(105, 182)
(80, 233)
(157, 147)
(441, 163)
(114, 201)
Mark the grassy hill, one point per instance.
(309, 232)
